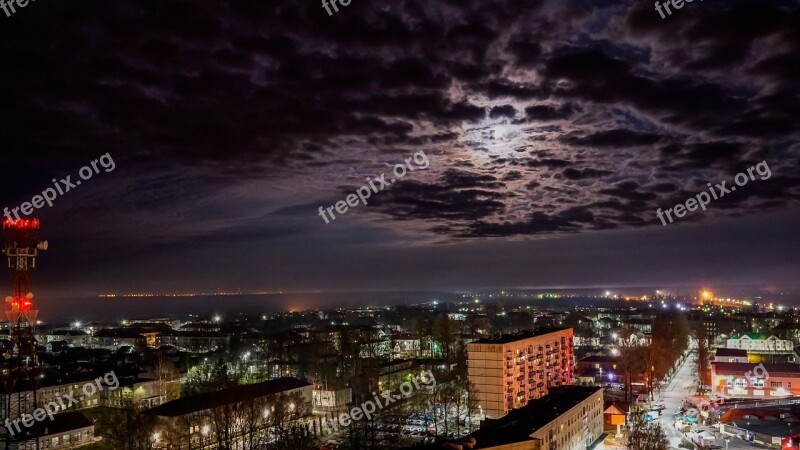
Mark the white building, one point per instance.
(754, 342)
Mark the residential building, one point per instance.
(755, 342)
(114, 338)
(186, 421)
(141, 393)
(196, 341)
(510, 370)
(66, 431)
(568, 418)
(75, 338)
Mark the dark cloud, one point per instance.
(540, 117)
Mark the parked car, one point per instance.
(652, 415)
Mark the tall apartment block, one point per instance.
(511, 370)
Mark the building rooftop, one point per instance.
(506, 338)
(202, 402)
(774, 428)
(519, 424)
(121, 333)
(730, 368)
(61, 423)
(733, 352)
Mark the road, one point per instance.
(672, 397)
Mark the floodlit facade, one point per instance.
(511, 370)
(748, 380)
(754, 342)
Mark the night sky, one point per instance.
(553, 130)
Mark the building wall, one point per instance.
(761, 345)
(576, 429)
(773, 386)
(70, 439)
(173, 431)
(142, 394)
(508, 375)
(732, 359)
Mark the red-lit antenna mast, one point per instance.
(21, 247)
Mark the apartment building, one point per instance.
(511, 370)
(238, 414)
(568, 418)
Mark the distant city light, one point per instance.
(217, 319)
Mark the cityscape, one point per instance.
(413, 225)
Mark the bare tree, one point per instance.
(128, 428)
(702, 363)
(644, 435)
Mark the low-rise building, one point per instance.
(730, 355)
(196, 341)
(138, 392)
(567, 418)
(238, 414)
(755, 342)
(114, 338)
(66, 431)
(75, 338)
(748, 380)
